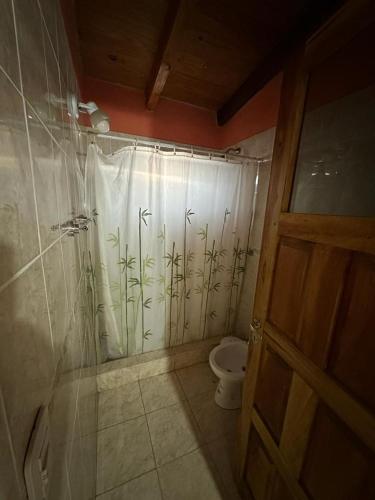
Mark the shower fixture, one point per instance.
(233, 151)
(73, 226)
(99, 120)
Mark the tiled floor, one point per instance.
(164, 438)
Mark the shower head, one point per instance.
(99, 120)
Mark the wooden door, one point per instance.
(307, 427)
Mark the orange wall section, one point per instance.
(259, 114)
(171, 120)
(180, 122)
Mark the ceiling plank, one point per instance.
(162, 67)
(318, 13)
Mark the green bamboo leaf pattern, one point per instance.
(147, 303)
(188, 214)
(127, 263)
(115, 285)
(149, 262)
(203, 232)
(174, 275)
(145, 213)
(113, 238)
(134, 282)
(215, 287)
(211, 258)
(147, 334)
(190, 256)
(199, 273)
(99, 308)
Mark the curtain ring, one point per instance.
(174, 149)
(136, 144)
(192, 153)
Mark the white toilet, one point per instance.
(228, 362)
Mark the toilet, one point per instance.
(228, 362)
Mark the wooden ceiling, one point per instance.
(210, 53)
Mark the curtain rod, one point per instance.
(182, 148)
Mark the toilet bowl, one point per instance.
(228, 362)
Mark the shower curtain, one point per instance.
(171, 246)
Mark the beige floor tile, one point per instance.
(222, 454)
(145, 487)
(161, 391)
(213, 421)
(173, 432)
(124, 452)
(191, 477)
(197, 379)
(119, 404)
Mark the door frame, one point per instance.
(346, 232)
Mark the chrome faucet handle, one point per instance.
(72, 231)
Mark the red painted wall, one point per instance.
(180, 122)
(258, 114)
(171, 120)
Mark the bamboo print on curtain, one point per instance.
(172, 244)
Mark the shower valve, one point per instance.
(73, 226)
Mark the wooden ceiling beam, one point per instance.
(162, 67)
(313, 18)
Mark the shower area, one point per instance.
(175, 235)
(176, 240)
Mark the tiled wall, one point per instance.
(260, 146)
(47, 348)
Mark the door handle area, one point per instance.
(255, 334)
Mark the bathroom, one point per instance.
(187, 267)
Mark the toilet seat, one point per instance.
(228, 362)
(228, 359)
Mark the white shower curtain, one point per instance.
(172, 245)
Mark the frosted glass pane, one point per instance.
(335, 171)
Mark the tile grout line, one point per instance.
(124, 483)
(143, 414)
(40, 121)
(31, 160)
(19, 273)
(206, 443)
(152, 445)
(10, 441)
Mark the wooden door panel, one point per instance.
(323, 287)
(272, 392)
(337, 466)
(353, 350)
(288, 285)
(259, 468)
(298, 419)
(309, 392)
(280, 490)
